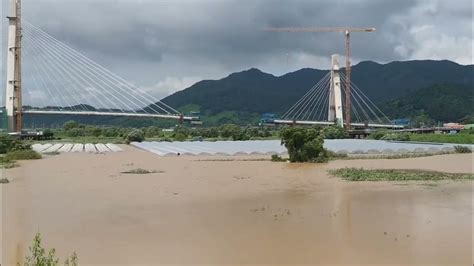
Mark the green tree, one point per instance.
(70, 125)
(304, 144)
(180, 136)
(335, 132)
(135, 135)
(110, 132)
(151, 132)
(75, 132)
(92, 131)
(229, 130)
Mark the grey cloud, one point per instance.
(149, 42)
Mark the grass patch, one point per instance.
(460, 138)
(22, 155)
(4, 181)
(360, 174)
(140, 171)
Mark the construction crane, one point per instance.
(347, 32)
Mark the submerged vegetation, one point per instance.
(12, 150)
(360, 174)
(140, 171)
(22, 155)
(462, 149)
(40, 257)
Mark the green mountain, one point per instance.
(442, 102)
(242, 97)
(442, 90)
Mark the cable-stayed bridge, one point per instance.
(58, 80)
(324, 104)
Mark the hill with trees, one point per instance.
(423, 90)
(242, 97)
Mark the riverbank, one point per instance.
(210, 210)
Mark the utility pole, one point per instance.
(347, 32)
(13, 103)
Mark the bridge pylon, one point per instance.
(13, 92)
(335, 112)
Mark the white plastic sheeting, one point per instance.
(355, 146)
(78, 147)
(213, 148)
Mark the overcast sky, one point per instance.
(165, 46)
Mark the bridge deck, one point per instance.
(95, 113)
(327, 123)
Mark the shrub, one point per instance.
(136, 135)
(304, 144)
(19, 145)
(151, 132)
(396, 137)
(229, 130)
(180, 137)
(4, 181)
(39, 257)
(70, 125)
(92, 131)
(334, 132)
(277, 158)
(462, 149)
(22, 155)
(75, 132)
(378, 134)
(5, 142)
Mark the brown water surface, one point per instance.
(235, 212)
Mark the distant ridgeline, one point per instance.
(437, 90)
(440, 90)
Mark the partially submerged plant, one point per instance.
(361, 174)
(140, 171)
(462, 149)
(39, 257)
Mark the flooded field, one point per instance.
(226, 210)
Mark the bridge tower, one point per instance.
(335, 112)
(13, 103)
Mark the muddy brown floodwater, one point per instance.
(195, 211)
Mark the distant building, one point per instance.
(401, 122)
(453, 125)
(268, 118)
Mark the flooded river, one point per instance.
(203, 210)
